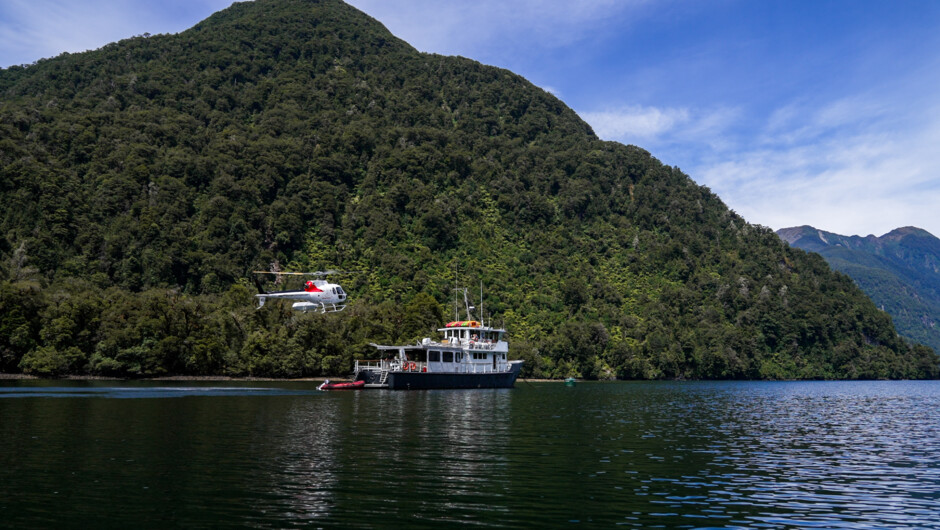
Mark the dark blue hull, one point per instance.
(425, 381)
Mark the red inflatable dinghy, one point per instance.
(327, 385)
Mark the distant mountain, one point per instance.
(900, 271)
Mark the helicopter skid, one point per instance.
(319, 307)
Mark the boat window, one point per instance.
(448, 356)
(434, 356)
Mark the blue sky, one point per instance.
(824, 113)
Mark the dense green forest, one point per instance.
(900, 271)
(142, 182)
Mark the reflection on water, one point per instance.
(420, 457)
(771, 455)
(302, 471)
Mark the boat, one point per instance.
(470, 355)
(348, 385)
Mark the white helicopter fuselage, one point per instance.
(317, 295)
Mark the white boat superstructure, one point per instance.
(467, 346)
(470, 355)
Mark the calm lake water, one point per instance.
(701, 454)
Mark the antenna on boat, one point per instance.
(466, 304)
(482, 319)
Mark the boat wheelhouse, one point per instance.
(471, 355)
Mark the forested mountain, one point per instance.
(142, 182)
(900, 271)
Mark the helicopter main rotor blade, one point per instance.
(317, 273)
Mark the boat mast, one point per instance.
(466, 304)
(482, 321)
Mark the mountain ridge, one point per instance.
(900, 270)
(143, 181)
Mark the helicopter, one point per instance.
(317, 295)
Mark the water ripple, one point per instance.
(691, 455)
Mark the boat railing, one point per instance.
(399, 365)
(472, 368)
(369, 364)
(465, 343)
(479, 368)
(417, 366)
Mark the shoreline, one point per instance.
(28, 377)
(208, 378)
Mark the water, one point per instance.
(771, 455)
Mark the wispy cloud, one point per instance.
(35, 29)
(634, 124)
(654, 127)
(553, 91)
(847, 167)
(471, 28)
(860, 163)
